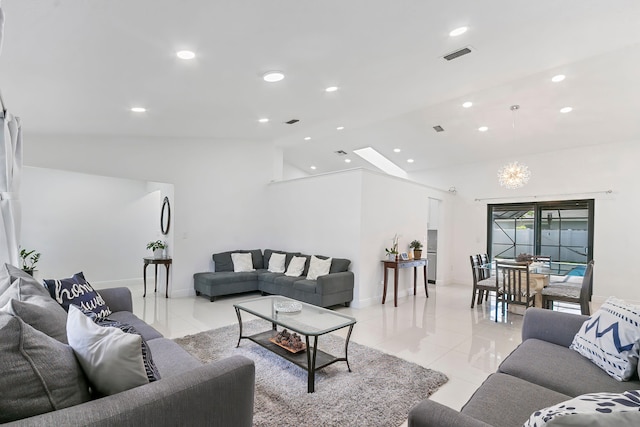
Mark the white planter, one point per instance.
(392, 257)
(158, 253)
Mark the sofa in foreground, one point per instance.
(333, 288)
(188, 393)
(542, 372)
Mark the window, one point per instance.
(562, 230)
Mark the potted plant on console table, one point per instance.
(392, 252)
(29, 260)
(158, 248)
(416, 245)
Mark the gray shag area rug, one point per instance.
(380, 390)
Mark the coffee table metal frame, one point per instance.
(326, 321)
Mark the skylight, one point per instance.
(381, 162)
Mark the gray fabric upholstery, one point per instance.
(306, 265)
(287, 257)
(551, 326)
(507, 401)
(567, 291)
(223, 261)
(144, 329)
(269, 277)
(338, 265)
(39, 373)
(118, 299)
(218, 394)
(561, 369)
(170, 358)
(10, 273)
(43, 314)
(429, 413)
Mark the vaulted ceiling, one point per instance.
(77, 67)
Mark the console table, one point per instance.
(155, 261)
(398, 264)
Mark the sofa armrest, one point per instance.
(430, 413)
(118, 299)
(335, 282)
(552, 326)
(218, 394)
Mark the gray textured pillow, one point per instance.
(39, 374)
(22, 289)
(42, 313)
(9, 274)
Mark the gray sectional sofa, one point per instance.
(217, 394)
(541, 372)
(331, 289)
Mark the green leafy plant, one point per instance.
(158, 244)
(29, 259)
(416, 244)
(394, 248)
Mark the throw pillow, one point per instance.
(296, 266)
(610, 338)
(39, 374)
(149, 365)
(110, 358)
(76, 290)
(242, 262)
(9, 274)
(593, 409)
(318, 267)
(276, 263)
(42, 313)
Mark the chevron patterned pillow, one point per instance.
(610, 338)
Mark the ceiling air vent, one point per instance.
(292, 121)
(457, 54)
(341, 153)
(438, 128)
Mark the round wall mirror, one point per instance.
(165, 216)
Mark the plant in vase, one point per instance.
(157, 247)
(416, 245)
(392, 252)
(29, 260)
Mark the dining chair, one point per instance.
(571, 293)
(514, 283)
(482, 281)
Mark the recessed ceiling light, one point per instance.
(340, 128)
(138, 109)
(566, 110)
(273, 76)
(409, 160)
(331, 89)
(307, 138)
(558, 78)
(458, 31)
(347, 160)
(185, 54)
(396, 150)
(313, 167)
(483, 128)
(467, 104)
(263, 120)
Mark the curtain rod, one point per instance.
(545, 195)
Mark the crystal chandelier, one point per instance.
(514, 175)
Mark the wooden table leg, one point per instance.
(384, 291)
(144, 278)
(155, 289)
(426, 290)
(395, 286)
(415, 279)
(166, 289)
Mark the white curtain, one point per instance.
(10, 173)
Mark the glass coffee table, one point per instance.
(305, 319)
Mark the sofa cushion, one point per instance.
(287, 256)
(9, 274)
(76, 290)
(286, 281)
(268, 277)
(111, 359)
(277, 263)
(296, 267)
(318, 267)
(145, 330)
(506, 401)
(338, 265)
(593, 410)
(223, 261)
(306, 285)
(539, 362)
(610, 338)
(306, 264)
(42, 313)
(242, 262)
(22, 289)
(40, 374)
(171, 359)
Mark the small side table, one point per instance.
(396, 265)
(155, 261)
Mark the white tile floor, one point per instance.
(440, 332)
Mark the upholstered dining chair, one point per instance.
(514, 284)
(482, 281)
(571, 293)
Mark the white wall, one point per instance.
(219, 188)
(561, 175)
(80, 222)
